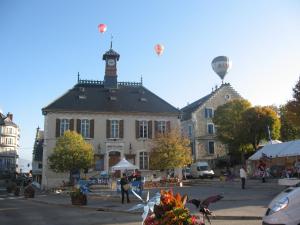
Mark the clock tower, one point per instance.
(111, 78)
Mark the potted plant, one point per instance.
(78, 195)
(29, 191)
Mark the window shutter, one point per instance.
(137, 130)
(206, 113)
(57, 133)
(150, 129)
(91, 128)
(155, 128)
(107, 128)
(168, 126)
(72, 124)
(121, 129)
(78, 126)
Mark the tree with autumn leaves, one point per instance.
(169, 151)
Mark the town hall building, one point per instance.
(118, 118)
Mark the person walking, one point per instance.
(125, 187)
(243, 176)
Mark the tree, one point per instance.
(288, 131)
(228, 121)
(291, 113)
(257, 123)
(170, 151)
(71, 153)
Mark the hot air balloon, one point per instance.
(159, 49)
(102, 28)
(221, 65)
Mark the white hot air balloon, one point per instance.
(221, 66)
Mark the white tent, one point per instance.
(124, 165)
(291, 148)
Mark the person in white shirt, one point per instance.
(243, 176)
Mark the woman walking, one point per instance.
(125, 187)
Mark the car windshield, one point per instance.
(201, 168)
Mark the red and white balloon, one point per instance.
(159, 49)
(102, 28)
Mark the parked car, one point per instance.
(201, 170)
(284, 208)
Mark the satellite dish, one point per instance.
(221, 66)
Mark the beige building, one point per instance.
(197, 123)
(118, 118)
(9, 144)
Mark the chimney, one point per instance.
(10, 115)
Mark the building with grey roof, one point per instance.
(197, 124)
(118, 118)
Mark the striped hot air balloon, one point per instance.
(221, 66)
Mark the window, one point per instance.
(85, 128)
(210, 128)
(144, 161)
(211, 147)
(208, 113)
(9, 141)
(143, 129)
(64, 126)
(190, 130)
(40, 166)
(9, 130)
(114, 129)
(161, 127)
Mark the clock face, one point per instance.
(111, 62)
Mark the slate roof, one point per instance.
(186, 112)
(5, 121)
(91, 96)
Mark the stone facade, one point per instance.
(108, 151)
(197, 124)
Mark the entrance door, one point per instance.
(114, 158)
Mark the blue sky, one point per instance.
(44, 44)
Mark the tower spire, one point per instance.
(111, 38)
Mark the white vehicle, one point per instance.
(284, 208)
(201, 170)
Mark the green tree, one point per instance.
(170, 151)
(71, 153)
(228, 121)
(288, 130)
(291, 113)
(256, 122)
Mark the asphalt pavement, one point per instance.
(237, 204)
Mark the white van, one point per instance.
(201, 170)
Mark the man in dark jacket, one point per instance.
(124, 183)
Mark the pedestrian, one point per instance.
(243, 176)
(262, 171)
(125, 187)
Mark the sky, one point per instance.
(44, 44)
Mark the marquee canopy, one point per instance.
(290, 148)
(124, 165)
